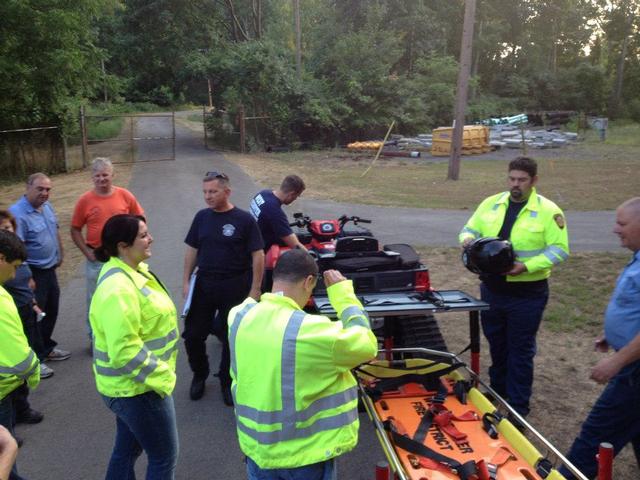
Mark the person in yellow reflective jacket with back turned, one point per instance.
(537, 229)
(295, 397)
(135, 334)
(18, 363)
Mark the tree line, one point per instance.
(363, 63)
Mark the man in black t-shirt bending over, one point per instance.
(225, 244)
(266, 208)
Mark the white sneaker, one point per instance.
(57, 354)
(45, 371)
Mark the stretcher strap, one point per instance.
(466, 471)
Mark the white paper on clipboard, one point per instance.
(187, 301)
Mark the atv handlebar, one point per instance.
(355, 219)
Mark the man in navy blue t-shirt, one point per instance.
(225, 244)
(266, 208)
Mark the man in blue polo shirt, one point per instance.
(615, 418)
(37, 226)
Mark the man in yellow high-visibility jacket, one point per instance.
(18, 363)
(537, 229)
(295, 397)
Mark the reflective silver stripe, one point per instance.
(265, 417)
(321, 425)
(233, 333)
(30, 372)
(555, 254)
(137, 361)
(288, 373)
(473, 232)
(353, 311)
(112, 271)
(100, 355)
(329, 402)
(147, 370)
(558, 251)
(155, 344)
(167, 355)
(19, 369)
(529, 253)
(160, 343)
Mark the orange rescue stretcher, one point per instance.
(434, 420)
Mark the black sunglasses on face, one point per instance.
(215, 174)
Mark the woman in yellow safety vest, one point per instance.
(135, 333)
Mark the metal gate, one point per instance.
(128, 138)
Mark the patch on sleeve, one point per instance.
(559, 219)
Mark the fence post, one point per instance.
(204, 123)
(173, 125)
(242, 131)
(64, 152)
(85, 141)
(133, 147)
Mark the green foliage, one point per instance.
(365, 62)
(49, 60)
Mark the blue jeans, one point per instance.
(317, 471)
(510, 326)
(144, 422)
(7, 421)
(615, 418)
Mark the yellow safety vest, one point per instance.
(135, 332)
(18, 363)
(539, 235)
(295, 397)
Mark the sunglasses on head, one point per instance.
(215, 174)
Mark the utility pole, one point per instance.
(296, 16)
(462, 89)
(210, 94)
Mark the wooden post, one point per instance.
(133, 146)
(462, 89)
(173, 128)
(242, 130)
(210, 93)
(204, 124)
(85, 141)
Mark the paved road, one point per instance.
(75, 439)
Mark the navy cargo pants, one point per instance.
(615, 418)
(510, 326)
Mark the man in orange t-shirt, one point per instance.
(92, 211)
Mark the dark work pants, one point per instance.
(510, 326)
(48, 298)
(32, 332)
(615, 418)
(7, 420)
(212, 299)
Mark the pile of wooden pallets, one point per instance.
(475, 140)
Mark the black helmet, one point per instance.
(488, 255)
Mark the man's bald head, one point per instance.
(627, 225)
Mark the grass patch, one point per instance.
(195, 117)
(104, 128)
(580, 287)
(619, 133)
(573, 179)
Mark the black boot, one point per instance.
(227, 398)
(197, 387)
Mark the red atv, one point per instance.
(390, 271)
